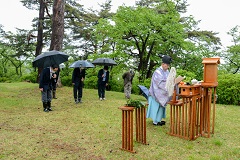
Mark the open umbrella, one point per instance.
(49, 58)
(144, 91)
(104, 62)
(81, 63)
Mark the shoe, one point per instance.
(103, 98)
(79, 101)
(50, 109)
(76, 102)
(100, 99)
(155, 124)
(46, 110)
(161, 123)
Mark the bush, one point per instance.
(32, 77)
(91, 82)
(116, 85)
(3, 79)
(66, 81)
(228, 90)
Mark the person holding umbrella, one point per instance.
(45, 85)
(103, 77)
(78, 77)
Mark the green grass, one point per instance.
(92, 130)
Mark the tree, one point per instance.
(232, 54)
(143, 33)
(82, 28)
(16, 50)
(156, 27)
(57, 28)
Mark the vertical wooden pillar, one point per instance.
(140, 116)
(208, 111)
(184, 117)
(127, 128)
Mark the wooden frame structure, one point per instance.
(194, 114)
(140, 116)
(185, 116)
(127, 127)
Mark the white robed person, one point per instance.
(159, 92)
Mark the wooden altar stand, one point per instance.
(185, 113)
(127, 127)
(140, 116)
(194, 114)
(209, 95)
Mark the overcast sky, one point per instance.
(215, 15)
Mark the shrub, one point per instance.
(228, 90)
(3, 79)
(30, 77)
(66, 80)
(91, 82)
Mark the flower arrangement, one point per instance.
(135, 103)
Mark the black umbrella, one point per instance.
(81, 63)
(49, 58)
(144, 91)
(104, 62)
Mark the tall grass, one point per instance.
(92, 129)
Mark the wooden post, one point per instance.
(184, 114)
(127, 128)
(207, 117)
(140, 116)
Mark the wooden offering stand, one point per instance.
(194, 114)
(184, 113)
(209, 86)
(127, 127)
(140, 116)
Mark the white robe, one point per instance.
(158, 96)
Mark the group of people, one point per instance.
(48, 84)
(157, 99)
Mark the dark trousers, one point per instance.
(101, 89)
(54, 86)
(47, 96)
(77, 91)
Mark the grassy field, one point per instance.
(92, 130)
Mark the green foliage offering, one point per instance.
(135, 103)
(228, 90)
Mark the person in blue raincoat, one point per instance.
(158, 94)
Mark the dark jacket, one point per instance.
(100, 78)
(45, 80)
(77, 75)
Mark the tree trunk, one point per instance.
(57, 29)
(57, 25)
(40, 34)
